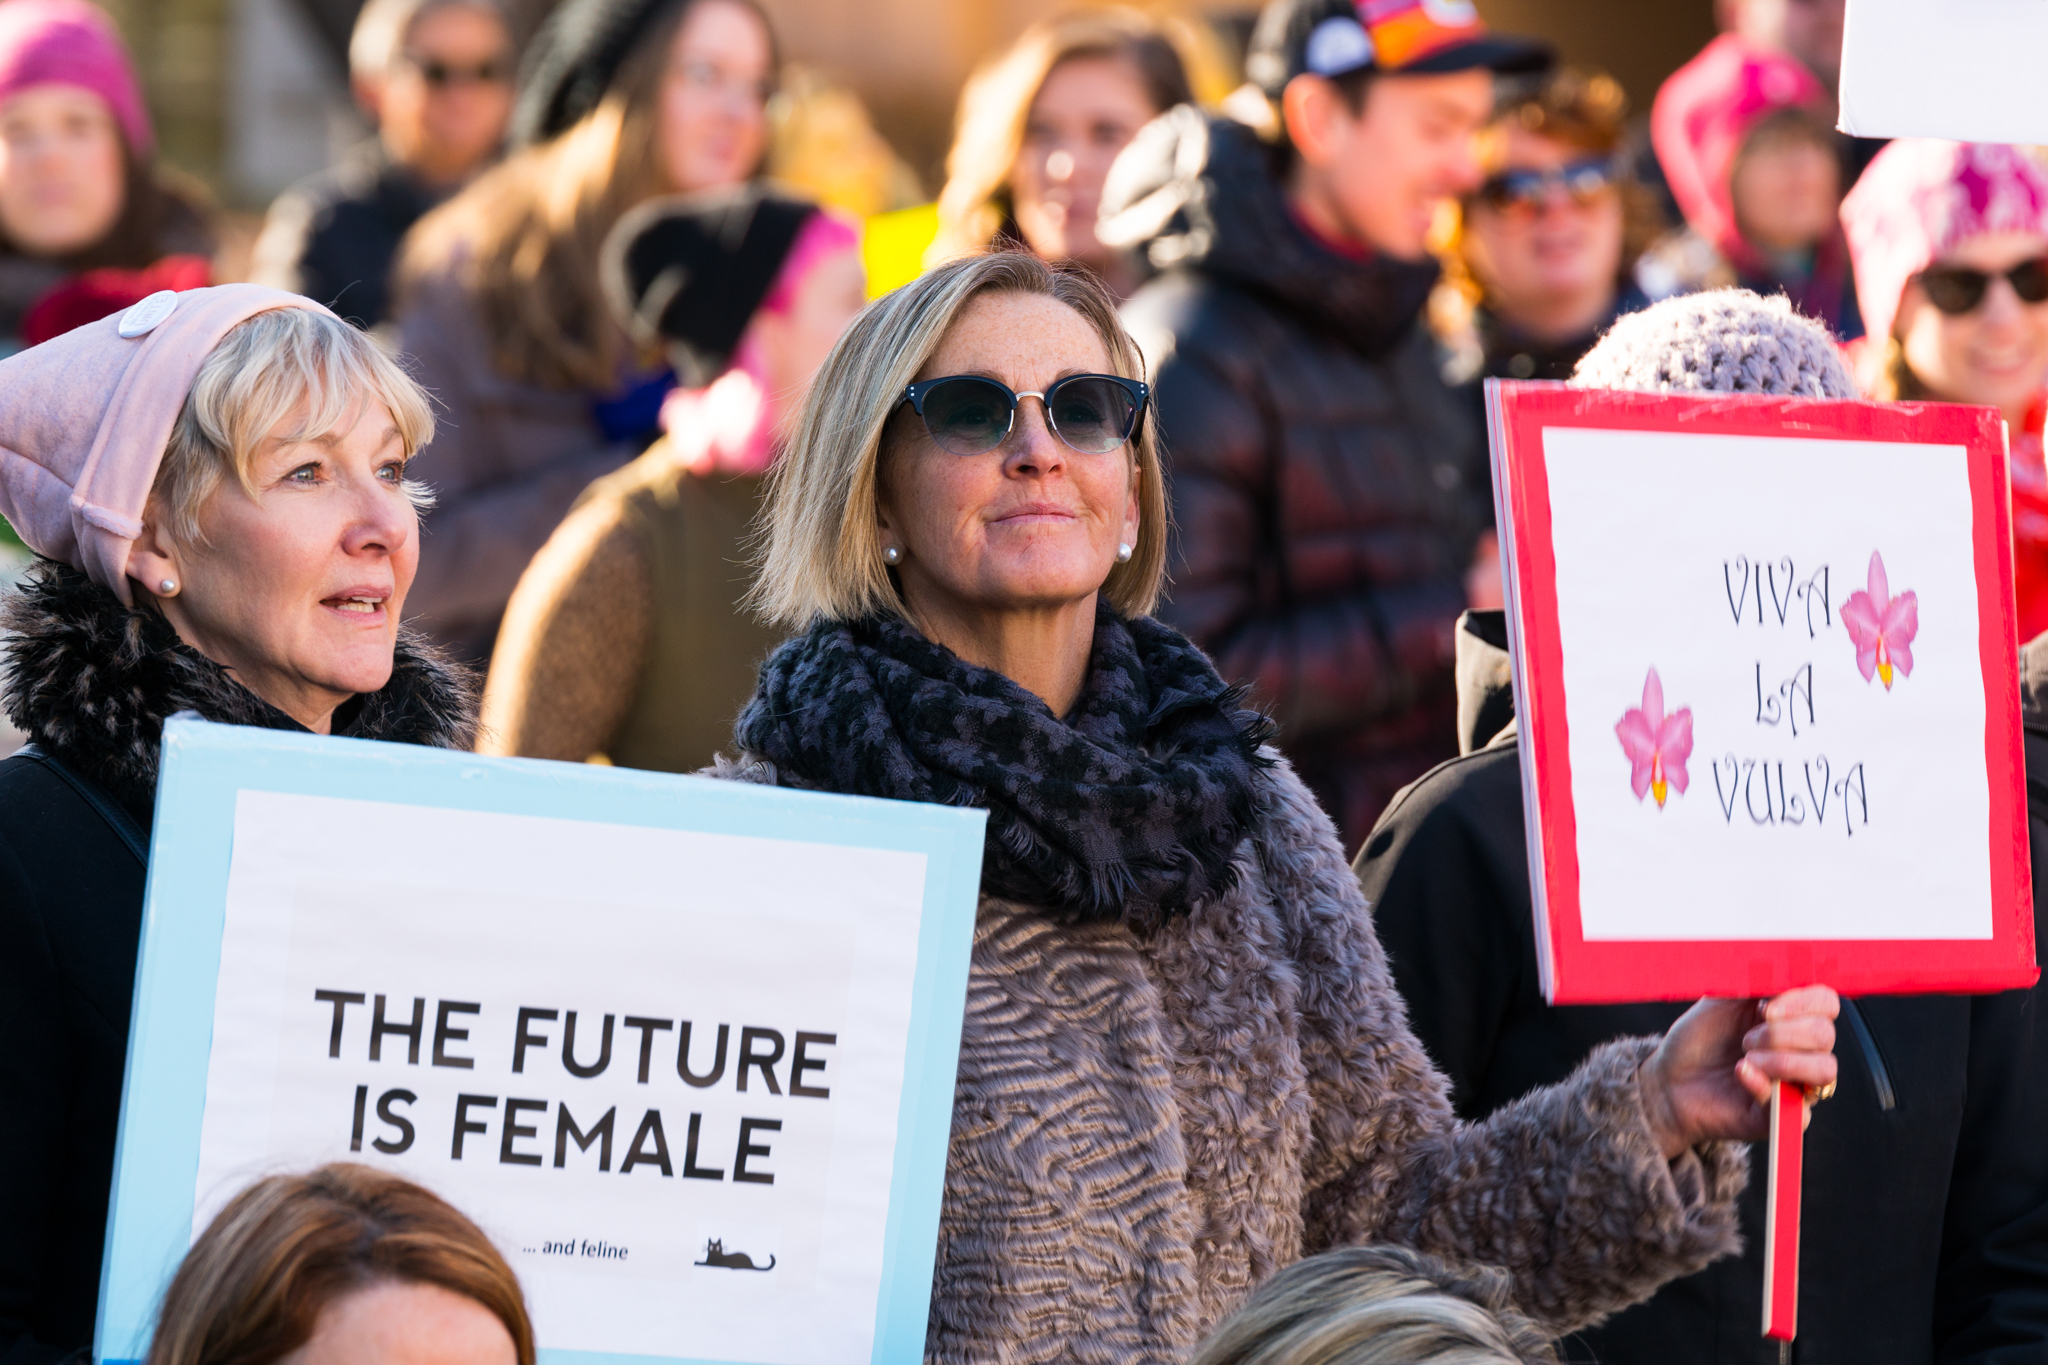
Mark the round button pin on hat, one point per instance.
(146, 315)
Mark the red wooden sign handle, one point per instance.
(1781, 1214)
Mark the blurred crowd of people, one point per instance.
(1320, 279)
(616, 269)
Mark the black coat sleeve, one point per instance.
(1445, 908)
(37, 1096)
(1992, 1298)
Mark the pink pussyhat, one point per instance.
(69, 42)
(1919, 199)
(84, 420)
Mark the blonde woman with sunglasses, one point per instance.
(1183, 1064)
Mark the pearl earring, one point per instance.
(1123, 554)
(167, 588)
(891, 555)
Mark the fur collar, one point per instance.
(93, 681)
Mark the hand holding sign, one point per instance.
(1716, 1070)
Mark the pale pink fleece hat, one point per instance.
(1919, 198)
(70, 42)
(85, 417)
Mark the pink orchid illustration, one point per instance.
(1657, 745)
(1882, 626)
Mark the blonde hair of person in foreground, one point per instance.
(1379, 1305)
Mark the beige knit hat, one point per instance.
(1720, 341)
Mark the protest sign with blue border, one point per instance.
(327, 919)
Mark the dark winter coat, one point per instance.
(1156, 1112)
(91, 682)
(1327, 487)
(334, 237)
(1924, 1229)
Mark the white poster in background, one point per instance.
(740, 1209)
(1791, 744)
(1968, 70)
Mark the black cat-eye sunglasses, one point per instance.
(968, 414)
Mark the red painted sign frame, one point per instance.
(1612, 970)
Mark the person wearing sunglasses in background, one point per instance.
(1539, 259)
(1951, 248)
(436, 76)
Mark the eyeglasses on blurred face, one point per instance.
(440, 75)
(1522, 193)
(1958, 289)
(967, 414)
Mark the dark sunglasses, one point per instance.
(439, 75)
(1957, 289)
(1524, 192)
(969, 415)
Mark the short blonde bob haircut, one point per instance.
(251, 1289)
(288, 373)
(820, 551)
(1379, 1305)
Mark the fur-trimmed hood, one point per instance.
(93, 681)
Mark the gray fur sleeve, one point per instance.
(1565, 1189)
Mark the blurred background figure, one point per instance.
(501, 309)
(1379, 1305)
(435, 76)
(344, 1265)
(1038, 129)
(1951, 248)
(626, 638)
(1540, 258)
(1809, 31)
(1746, 140)
(88, 225)
(1329, 489)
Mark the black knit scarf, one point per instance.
(1132, 807)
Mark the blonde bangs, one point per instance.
(290, 374)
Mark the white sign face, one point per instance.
(1806, 703)
(1967, 70)
(660, 1071)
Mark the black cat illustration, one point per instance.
(715, 1254)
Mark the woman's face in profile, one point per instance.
(62, 174)
(1030, 524)
(406, 1324)
(1084, 114)
(714, 97)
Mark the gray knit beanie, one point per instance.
(1720, 341)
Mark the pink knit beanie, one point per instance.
(84, 420)
(70, 42)
(1919, 199)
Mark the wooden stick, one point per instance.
(1781, 1213)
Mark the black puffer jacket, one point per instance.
(1924, 1222)
(1327, 487)
(92, 682)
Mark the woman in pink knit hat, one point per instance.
(88, 223)
(216, 484)
(1951, 250)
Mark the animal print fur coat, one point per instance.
(1149, 1123)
